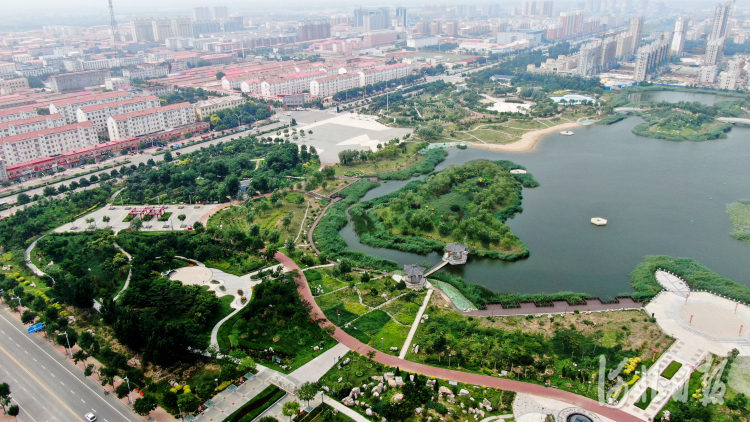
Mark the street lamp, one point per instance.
(216, 380)
(67, 340)
(382, 344)
(180, 409)
(130, 399)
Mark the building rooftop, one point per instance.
(38, 133)
(413, 270)
(151, 111)
(455, 247)
(30, 120)
(133, 100)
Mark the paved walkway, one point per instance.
(130, 271)
(415, 325)
(474, 379)
(226, 402)
(528, 408)
(345, 410)
(316, 368)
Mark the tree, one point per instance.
(122, 390)
(145, 405)
(106, 219)
(198, 227)
(4, 395)
(23, 199)
(220, 75)
(80, 356)
(290, 409)
(307, 391)
(188, 402)
(168, 156)
(289, 245)
(233, 185)
(28, 316)
(182, 218)
(136, 224)
(90, 221)
(49, 191)
(14, 410)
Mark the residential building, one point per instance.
(451, 28)
(290, 83)
(678, 36)
(546, 8)
(636, 28)
(3, 171)
(314, 30)
(205, 108)
(708, 74)
(150, 121)
(20, 113)
(48, 142)
(251, 86)
(401, 17)
(330, 85)
(78, 80)
(383, 37)
(571, 22)
(720, 25)
(7, 86)
(146, 71)
(372, 19)
(99, 114)
(590, 59)
(205, 27)
(529, 8)
(383, 73)
(32, 124)
(563, 64)
(201, 14)
(68, 107)
(714, 51)
(7, 70)
(220, 13)
(142, 29)
(648, 57)
(609, 54)
(624, 45)
(182, 28)
(162, 29)
(728, 80)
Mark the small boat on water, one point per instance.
(598, 221)
(566, 133)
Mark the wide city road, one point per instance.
(47, 386)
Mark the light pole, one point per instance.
(67, 340)
(382, 344)
(178, 407)
(19, 302)
(127, 381)
(216, 380)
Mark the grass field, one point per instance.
(384, 166)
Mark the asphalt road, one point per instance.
(46, 386)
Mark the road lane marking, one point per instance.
(68, 371)
(2, 349)
(61, 383)
(82, 400)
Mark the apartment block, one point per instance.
(205, 108)
(251, 86)
(150, 121)
(648, 57)
(708, 74)
(48, 142)
(32, 124)
(20, 113)
(99, 114)
(68, 107)
(290, 83)
(7, 86)
(3, 171)
(383, 73)
(728, 80)
(146, 71)
(330, 85)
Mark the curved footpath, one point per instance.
(475, 379)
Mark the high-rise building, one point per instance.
(491, 10)
(721, 20)
(162, 29)
(714, 51)
(182, 27)
(643, 6)
(589, 59)
(594, 6)
(220, 13)
(401, 15)
(142, 29)
(385, 17)
(201, 14)
(609, 53)
(636, 28)
(529, 8)
(451, 28)
(313, 30)
(678, 37)
(571, 23)
(423, 27)
(205, 27)
(649, 56)
(546, 8)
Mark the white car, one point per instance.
(90, 417)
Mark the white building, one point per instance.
(678, 37)
(150, 121)
(18, 113)
(251, 86)
(421, 42)
(714, 51)
(145, 72)
(383, 73)
(48, 142)
(99, 114)
(32, 124)
(3, 171)
(708, 74)
(205, 108)
(330, 85)
(69, 106)
(728, 81)
(290, 83)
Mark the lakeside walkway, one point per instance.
(475, 379)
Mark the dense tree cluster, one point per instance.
(354, 93)
(191, 95)
(243, 115)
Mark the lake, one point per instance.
(660, 197)
(707, 97)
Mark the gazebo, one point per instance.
(414, 276)
(456, 253)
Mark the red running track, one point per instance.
(439, 373)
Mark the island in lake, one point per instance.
(468, 204)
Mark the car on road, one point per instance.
(160, 149)
(90, 417)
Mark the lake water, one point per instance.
(660, 197)
(676, 96)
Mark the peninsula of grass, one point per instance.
(468, 204)
(739, 213)
(612, 119)
(680, 125)
(697, 276)
(671, 370)
(646, 399)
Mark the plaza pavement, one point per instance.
(117, 214)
